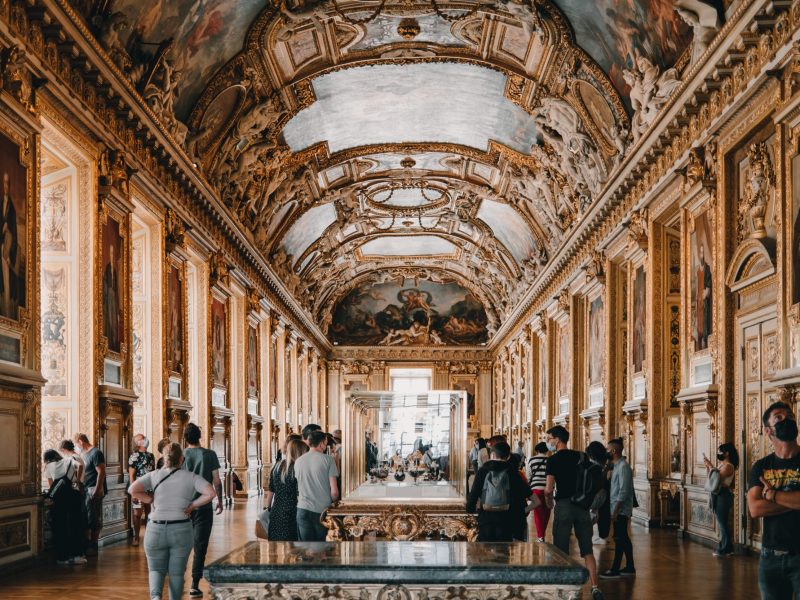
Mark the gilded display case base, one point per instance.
(400, 523)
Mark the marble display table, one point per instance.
(395, 571)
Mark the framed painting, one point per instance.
(639, 308)
(112, 288)
(564, 370)
(702, 286)
(273, 370)
(219, 342)
(252, 360)
(543, 378)
(175, 319)
(596, 341)
(14, 184)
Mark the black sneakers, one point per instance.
(195, 593)
(609, 574)
(597, 594)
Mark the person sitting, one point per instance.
(502, 494)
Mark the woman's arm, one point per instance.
(726, 470)
(137, 490)
(207, 493)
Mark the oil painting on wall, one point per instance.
(639, 283)
(252, 361)
(701, 282)
(175, 311)
(467, 385)
(423, 313)
(273, 370)
(113, 290)
(13, 229)
(219, 342)
(616, 32)
(543, 379)
(596, 341)
(564, 361)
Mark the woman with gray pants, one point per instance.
(169, 536)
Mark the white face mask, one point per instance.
(551, 446)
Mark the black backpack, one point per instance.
(588, 483)
(62, 489)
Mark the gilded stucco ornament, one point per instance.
(650, 91)
(760, 184)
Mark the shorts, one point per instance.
(94, 510)
(568, 516)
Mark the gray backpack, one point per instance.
(496, 491)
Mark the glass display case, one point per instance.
(404, 446)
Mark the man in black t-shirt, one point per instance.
(774, 494)
(562, 476)
(94, 480)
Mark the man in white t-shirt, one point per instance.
(316, 475)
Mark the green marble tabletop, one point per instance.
(402, 562)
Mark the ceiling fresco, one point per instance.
(409, 313)
(616, 32)
(407, 168)
(427, 102)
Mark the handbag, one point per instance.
(713, 483)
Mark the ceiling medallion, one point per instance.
(408, 162)
(408, 29)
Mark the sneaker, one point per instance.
(540, 540)
(598, 541)
(628, 572)
(135, 541)
(195, 593)
(610, 574)
(597, 594)
(78, 560)
(63, 562)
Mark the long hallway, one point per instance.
(667, 567)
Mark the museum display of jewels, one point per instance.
(417, 222)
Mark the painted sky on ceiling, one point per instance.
(428, 102)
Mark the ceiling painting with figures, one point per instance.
(377, 152)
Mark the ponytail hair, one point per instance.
(172, 455)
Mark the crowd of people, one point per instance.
(173, 496)
(594, 488)
(580, 490)
(303, 483)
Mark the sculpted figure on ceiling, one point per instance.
(650, 91)
(705, 21)
(159, 92)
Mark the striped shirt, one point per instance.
(536, 472)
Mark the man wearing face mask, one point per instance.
(774, 495)
(621, 510)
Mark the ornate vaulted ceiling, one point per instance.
(408, 166)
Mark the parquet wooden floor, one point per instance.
(667, 568)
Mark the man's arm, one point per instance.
(217, 482)
(101, 479)
(548, 491)
(334, 489)
(763, 508)
(790, 500)
(475, 491)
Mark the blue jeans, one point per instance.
(722, 509)
(167, 547)
(309, 529)
(779, 576)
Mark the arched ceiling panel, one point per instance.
(308, 228)
(509, 228)
(409, 313)
(384, 30)
(423, 102)
(408, 245)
